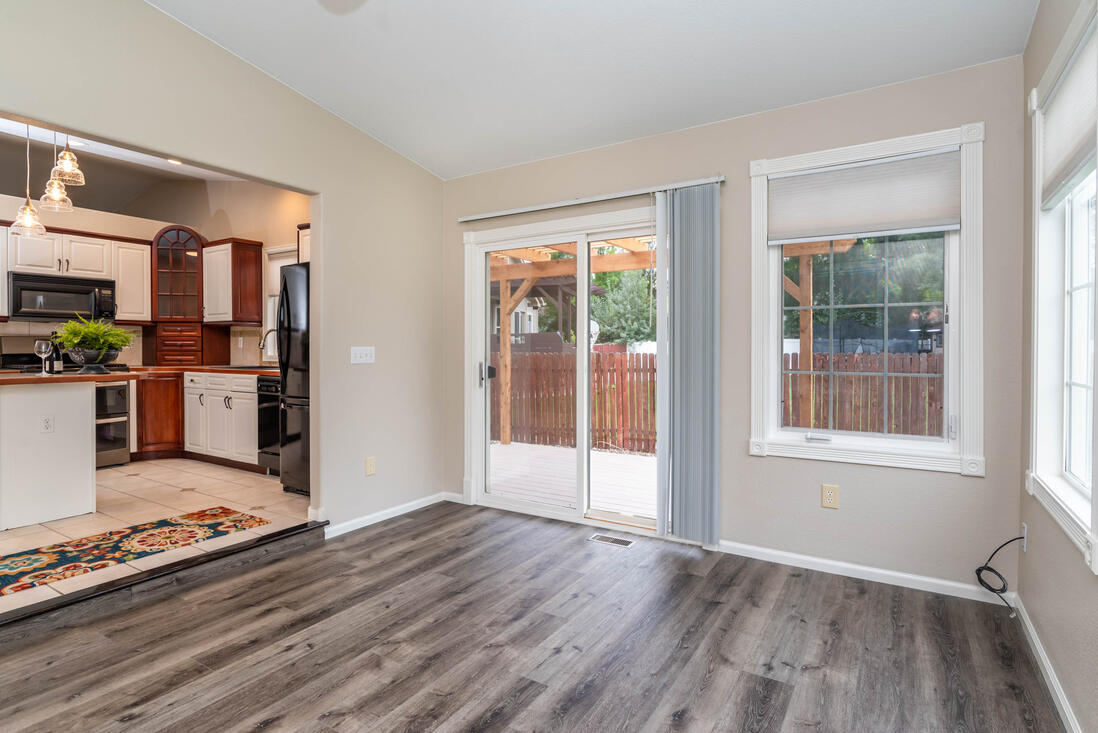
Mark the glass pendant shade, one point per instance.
(26, 222)
(55, 198)
(67, 169)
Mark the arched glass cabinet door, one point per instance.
(177, 274)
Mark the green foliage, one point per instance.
(625, 314)
(92, 334)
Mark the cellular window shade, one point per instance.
(1068, 135)
(902, 193)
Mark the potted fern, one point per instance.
(92, 343)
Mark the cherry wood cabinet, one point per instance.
(232, 282)
(160, 412)
(185, 344)
(177, 274)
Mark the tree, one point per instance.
(626, 313)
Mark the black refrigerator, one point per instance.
(293, 364)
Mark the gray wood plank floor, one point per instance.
(461, 618)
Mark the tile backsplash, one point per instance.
(18, 337)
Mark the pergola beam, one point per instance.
(552, 268)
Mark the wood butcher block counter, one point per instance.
(47, 446)
(266, 371)
(9, 378)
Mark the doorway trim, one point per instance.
(478, 244)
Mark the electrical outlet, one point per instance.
(362, 354)
(1025, 536)
(46, 424)
(829, 496)
(370, 466)
(239, 342)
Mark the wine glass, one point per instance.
(43, 348)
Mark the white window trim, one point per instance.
(962, 454)
(1059, 497)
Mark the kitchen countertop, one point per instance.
(19, 378)
(272, 371)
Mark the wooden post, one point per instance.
(504, 362)
(807, 360)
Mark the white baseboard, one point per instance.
(971, 591)
(334, 530)
(1067, 715)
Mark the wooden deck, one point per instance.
(623, 483)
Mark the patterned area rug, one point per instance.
(52, 563)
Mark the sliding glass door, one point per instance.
(532, 395)
(566, 376)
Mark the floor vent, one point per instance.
(607, 539)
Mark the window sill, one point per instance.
(1068, 508)
(873, 452)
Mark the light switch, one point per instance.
(362, 354)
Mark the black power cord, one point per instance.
(986, 568)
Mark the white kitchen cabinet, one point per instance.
(217, 283)
(35, 255)
(244, 409)
(87, 257)
(219, 425)
(132, 265)
(219, 421)
(194, 421)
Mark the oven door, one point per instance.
(46, 298)
(112, 441)
(112, 399)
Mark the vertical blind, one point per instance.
(1068, 130)
(919, 191)
(693, 229)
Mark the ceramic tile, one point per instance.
(136, 511)
(165, 558)
(294, 506)
(275, 522)
(27, 597)
(226, 540)
(40, 537)
(79, 582)
(127, 484)
(85, 525)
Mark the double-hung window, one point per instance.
(1064, 108)
(866, 284)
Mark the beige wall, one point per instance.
(375, 240)
(1058, 589)
(220, 209)
(934, 524)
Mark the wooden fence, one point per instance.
(543, 400)
(912, 405)
(623, 397)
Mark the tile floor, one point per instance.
(148, 490)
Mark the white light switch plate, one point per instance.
(362, 354)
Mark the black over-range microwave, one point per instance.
(55, 298)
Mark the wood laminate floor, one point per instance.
(461, 618)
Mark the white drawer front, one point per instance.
(194, 379)
(243, 383)
(217, 381)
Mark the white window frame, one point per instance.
(962, 450)
(1045, 478)
(286, 252)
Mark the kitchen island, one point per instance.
(47, 446)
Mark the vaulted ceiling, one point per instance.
(461, 87)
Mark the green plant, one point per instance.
(97, 335)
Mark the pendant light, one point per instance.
(67, 169)
(26, 221)
(55, 198)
